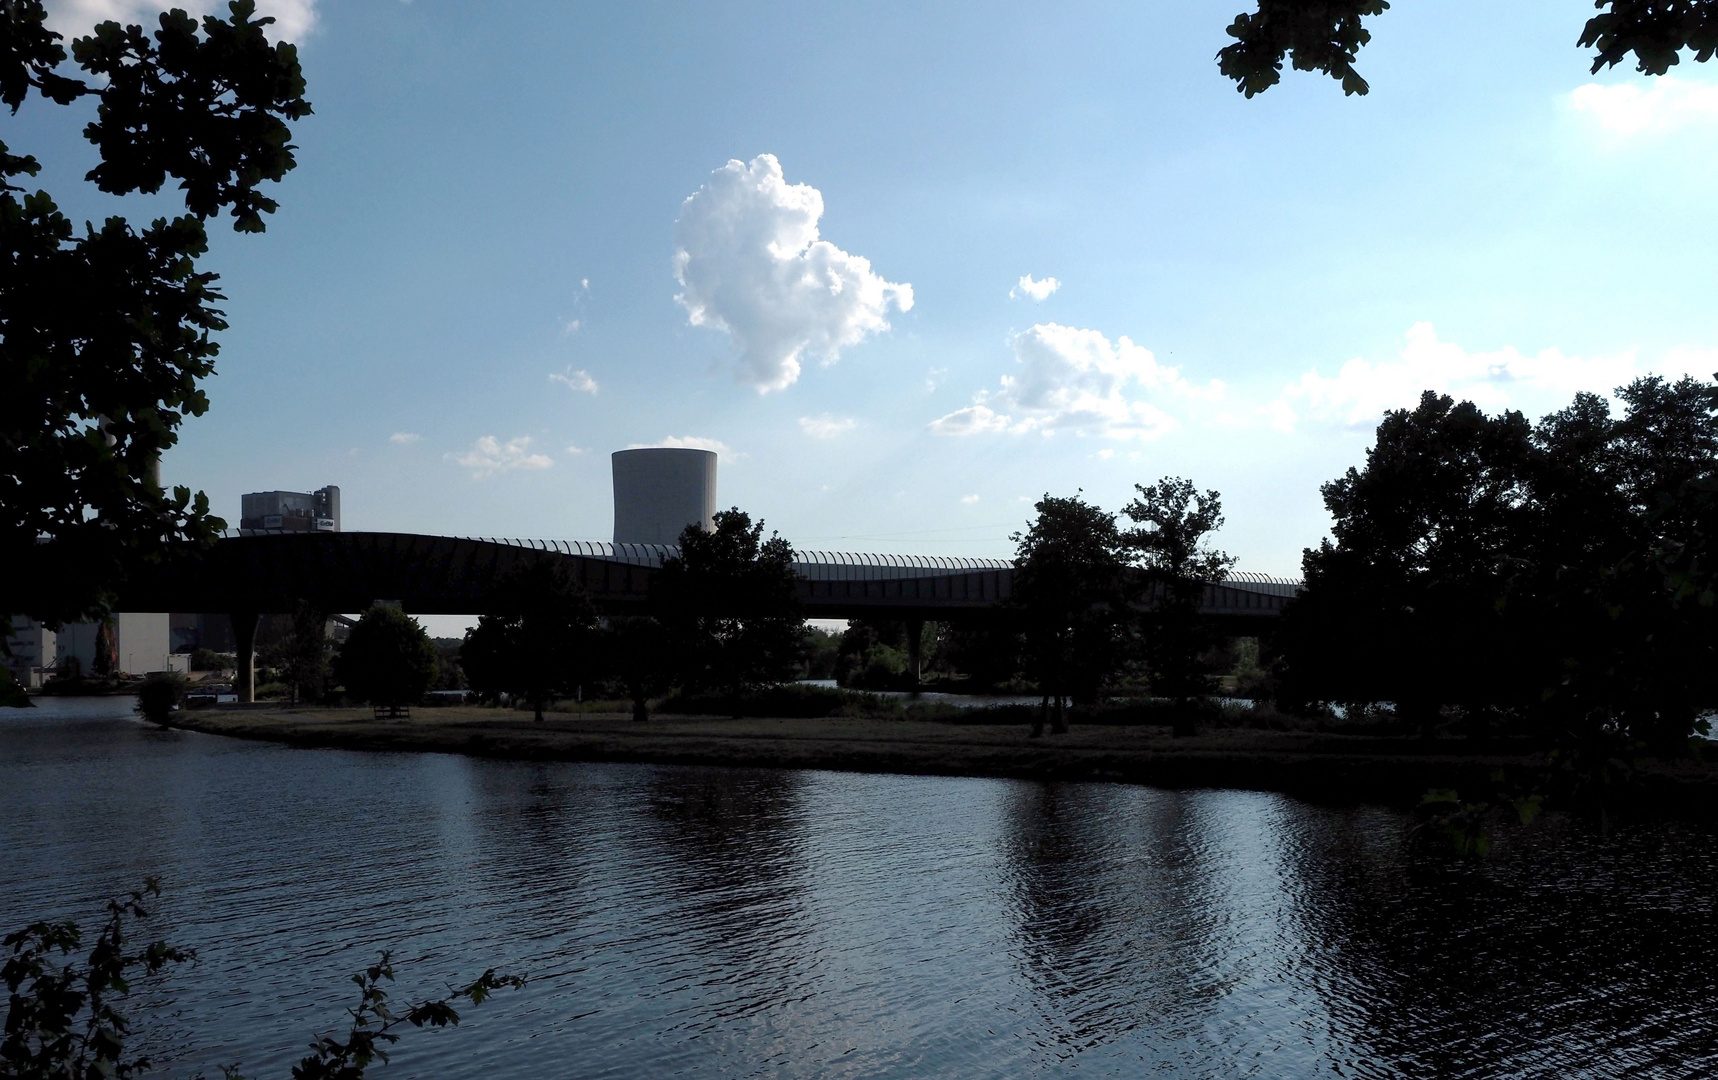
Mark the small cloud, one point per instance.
(1105, 454)
(569, 327)
(690, 442)
(585, 284)
(1077, 380)
(826, 426)
(1362, 390)
(1037, 290)
(574, 451)
(1655, 106)
(489, 455)
(405, 438)
(968, 500)
(934, 378)
(575, 380)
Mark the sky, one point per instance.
(909, 267)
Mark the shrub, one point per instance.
(161, 693)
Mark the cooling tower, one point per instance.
(660, 491)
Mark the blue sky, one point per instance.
(486, 275)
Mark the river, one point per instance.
(758, 923)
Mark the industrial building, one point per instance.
(291, 511)
(658, 491)
(138, 643)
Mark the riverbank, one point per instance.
(1319, 767)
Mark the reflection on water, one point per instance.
(756, 922)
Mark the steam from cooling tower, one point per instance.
(661, 490)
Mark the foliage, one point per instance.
(301, 655)
(789, 700)
(1072, 593)
(1327, 35)
(12, 696)
(1173, 520)
(820, 650)
(160, 694)
(63, 1020)
(387, 659)
(540, 644)
(638, 652)
(873, 655)
(730, 603)
(1550, 579)
(105, 336)
(210, 660)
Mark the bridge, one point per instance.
(252, 572)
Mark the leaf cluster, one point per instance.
(106, 333)
(1327, 35)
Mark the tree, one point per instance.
(64, 1021)
(1552, 579)
(1071, 590)
(1327, 35)
(105, 336)
(730, 603)
(301, 655)
(638, 651)
(387, 660)
(1173, 521)
(542, 643)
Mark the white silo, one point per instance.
(659, 491)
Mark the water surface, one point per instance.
(741, 923)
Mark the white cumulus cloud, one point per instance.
(293, 19)
(575, 380)
(749, 261)
(968, 500)
(1361, 391)
(690, 442)
(1037, 290)
(1078, 380)
(404, 438)
(826, 426)
(489, 455)
(1663, 104)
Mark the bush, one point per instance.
(161, 693)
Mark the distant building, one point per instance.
(291, 511)
(137, 643)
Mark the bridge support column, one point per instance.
(245, 634)
(915, 637)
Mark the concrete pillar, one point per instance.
(915, 637)
(245, 635)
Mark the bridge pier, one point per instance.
(245, 635)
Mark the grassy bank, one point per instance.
(1317, 766)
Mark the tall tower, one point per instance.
(661, 490)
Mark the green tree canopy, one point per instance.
(542, 644)
(1327, 36)
(730, 602)
(1554, 578)
(105, 334)
(387, 659)
(1072, 592)
(1173, 520)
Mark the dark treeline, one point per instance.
(1551, 579)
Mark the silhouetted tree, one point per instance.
(105, 336)
(1402, 603)
(1552, 579)
(1327, 35)
(542, 644)
(1173, 521)
(301, 655)
(730, 602)
(639, 652)
(387, 659)
(1071, 590)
